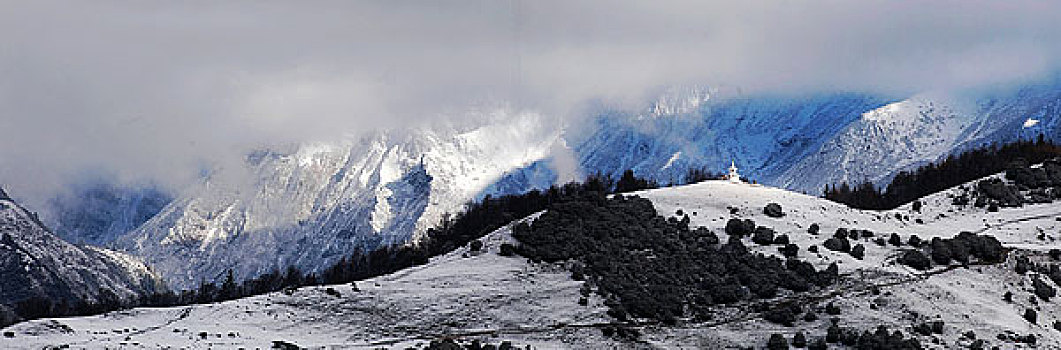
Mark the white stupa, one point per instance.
(733, 176)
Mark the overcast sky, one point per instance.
(153, 89)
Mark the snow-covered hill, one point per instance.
(36, 263)
(488, 296)
(314, 203)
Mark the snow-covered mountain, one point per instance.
(34, 263)
(311, 204)
(97, 212)
(764, 135)
(804, 143)
(486, 296)
(925, 128)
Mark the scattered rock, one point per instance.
(777, 342)
(1030, 315)
(773, 210)
(858, 252)
(915, 259)
(837, 244)
(1042, 289)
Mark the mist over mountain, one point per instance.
(158, 93)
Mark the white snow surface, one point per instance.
(462, 293)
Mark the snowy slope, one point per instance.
(36, 263)
(480, 295)
(480, 292)
(314, 203)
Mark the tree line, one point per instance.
(955, 170)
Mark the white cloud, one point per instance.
(157, 89)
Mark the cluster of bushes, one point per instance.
(994, 193)
(961, 248)
(953, 171)
(695, 175)
(840, 242)
(1029, 339)
(1029, 185)
(880, 339)
(650, 267)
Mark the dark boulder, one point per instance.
(837, 244)
(799, 340)
(781, 239)
(841, 233)
(895, 240)
(777, 342)
(915, 259)
(1042, 289)
(1030, 315)
(763, 236)
(773, 210)
(740, 228)
(789, 250)
(858, 252)
(1022, 265)
(832, 309)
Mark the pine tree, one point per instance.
(229, 290)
